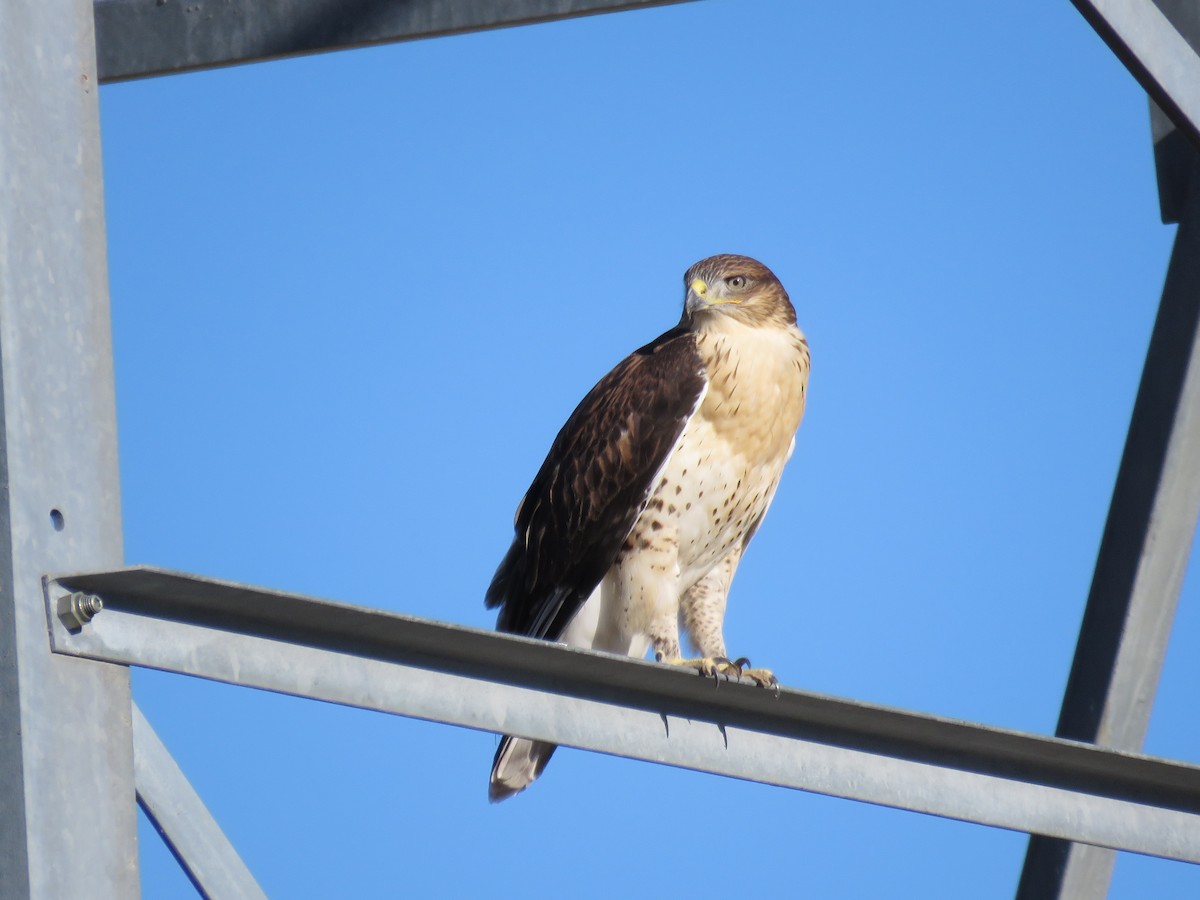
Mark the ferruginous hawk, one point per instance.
(636, 521)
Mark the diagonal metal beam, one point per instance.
(382, 661)
(1154, 51)
(184, 822)
(1152, 517)
(1141, 563)
(139, 38)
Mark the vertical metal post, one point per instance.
(67, 814)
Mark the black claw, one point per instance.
(742, 662)
(717, 662)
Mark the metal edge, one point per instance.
(143, 38)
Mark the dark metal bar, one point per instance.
(139, 38)
(382, 661)
(1175, 158)
(67, 827)
(1141, 563)
(1154, 51)
(1175, 163)
(184, 822)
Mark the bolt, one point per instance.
(76, 610)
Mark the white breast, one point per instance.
(726, 466)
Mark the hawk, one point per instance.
(636, 521)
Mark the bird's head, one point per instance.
(737, 286)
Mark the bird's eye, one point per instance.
(736, 281)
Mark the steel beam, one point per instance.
(67, 826)
(1149, 45)
(1141, 563)
(1175, 157)
(138, 38)
(383, 661)
(184, 822)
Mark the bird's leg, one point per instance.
(666, 650)
(703, 612)
(665, 641)
(707, 595)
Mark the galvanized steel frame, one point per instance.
(59, 453)
(1142, 559)
(184, 822)
(1152, 517)
(139, 38)
(67, 827)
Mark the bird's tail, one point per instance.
(518, 763)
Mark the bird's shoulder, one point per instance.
(628, 415)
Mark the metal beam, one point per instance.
(1141, 563)
(1155, 52)
(383, 661)
(184, 822)
(139, 38)
(1152, 517)
(67, 826)
(1175, 157)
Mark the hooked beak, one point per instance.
(697, 296)
(700, 297)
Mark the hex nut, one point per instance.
(77, 609)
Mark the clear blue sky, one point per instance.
(355, 296)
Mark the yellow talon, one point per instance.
(715, 667)
(763, 678)
(709, 666)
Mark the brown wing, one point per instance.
(594, 484)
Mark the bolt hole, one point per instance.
(57, 520)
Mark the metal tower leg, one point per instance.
(68, 820)
(1142, 560)
(1152, 518)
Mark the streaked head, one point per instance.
(736, 286)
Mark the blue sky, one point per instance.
(355, 296)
